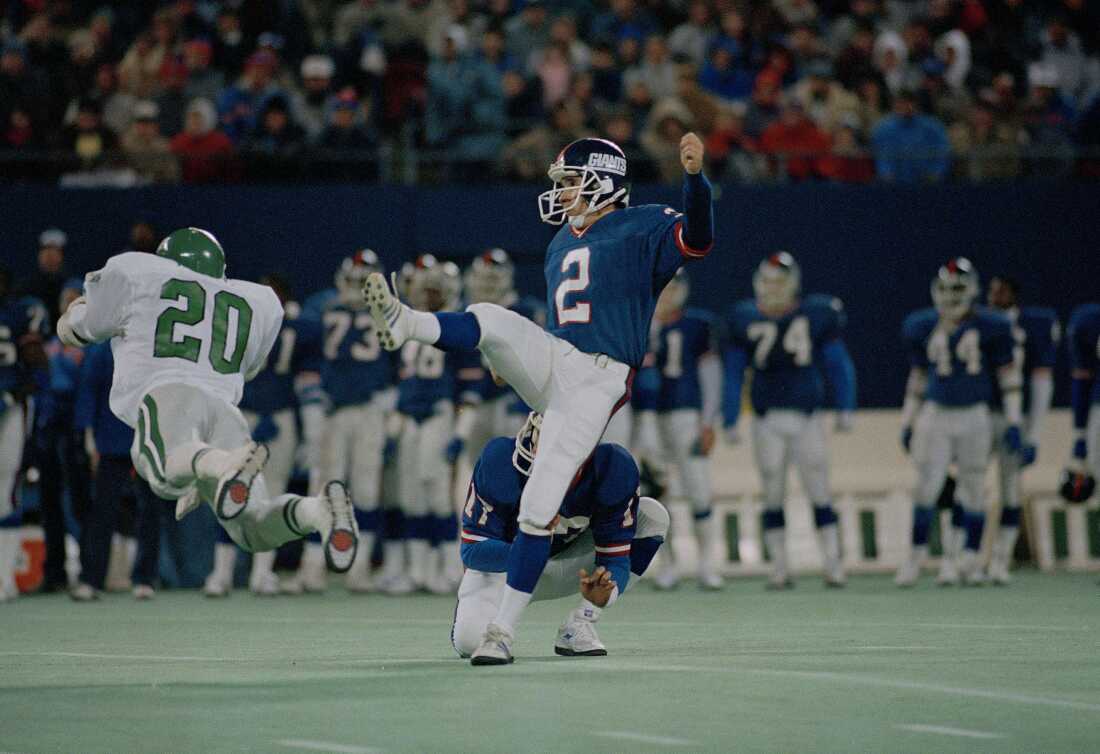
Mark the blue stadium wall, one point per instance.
(875, 247)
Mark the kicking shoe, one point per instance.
(143, 592)
(949, 573)
(998, 572)
(779, 581)
(264, 584)
(342, 535)
(391, 322)
(235, 483)
(217, 586)
(83, 593)
(495, 647)
(908, 573)
(578, 638)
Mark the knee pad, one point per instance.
(653, 519)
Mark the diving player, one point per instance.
(959, 353)
(288, 387)
(1083, 334)
(792, 344)
(688, 401)
(430, 384)
(24, 326)
(1036, 333)
(185, 339)
(604, 273)
(356, 377)
(603, 532)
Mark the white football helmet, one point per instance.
(527, 444)
(777, 282)
(431, 285)
(955, 288)
(490, 278)
(353, 273)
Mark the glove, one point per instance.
(1012, 439)
(1080, 449)
(454, 449)
(389, 451)
(844, 422)
(733, 437)
(1028, 454)
(266, 429)
(906, 438)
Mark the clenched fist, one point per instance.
(691, 153)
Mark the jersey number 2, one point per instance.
(193, 297)
(580, 313)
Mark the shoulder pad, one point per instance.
(920, 321)
(823, 301)
(616, 473)
(495, 478)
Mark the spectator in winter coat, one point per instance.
(798, 147)
(146, 151)
(826, 102)
(910, 147)
(206, 154)
(690, 39)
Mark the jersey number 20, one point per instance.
(193, 297)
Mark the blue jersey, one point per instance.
(961, 365)
(296, 350)
(603, 498)
(427, 376)
(680, 347)
(1083, 336)
(354, 367)
(19, 317)
(602, 283)
(55, 405)
(112, 436)
(1035, 334)
(786, 353)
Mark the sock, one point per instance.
(642, 552)
(266, 524)
(194, 459)
(9, 553)
(705, 536)
(512, 604)
(828, 533)
(262, 563)
(225, 559)
(423, 326)
(1006, 537)
(775, 538)
(922, 523)
(456, 331)
(526, 561)
(975, 525)
(418, 552)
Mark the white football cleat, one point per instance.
(235, 482)
(390, 320)
(710, 580)
(312, 575)
(217, 586)
(998, 572)
(357, 580)
(949, 572)
(835, 578)
(83, 593)
(143, 592)
(778, 581)
(264, 584)
(668, 577)
(577, 638)
(397, 585)
(908, 573)
(495, 647)
(341, 535)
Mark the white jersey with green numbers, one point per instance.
(169, 324)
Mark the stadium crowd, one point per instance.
(202, 91)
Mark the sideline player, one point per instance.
(1036, 334)
(688, 401)
(603, 532)
(286, 389)
(24, 325)
(791, 344)
(185, 338)
(356, 377)
(1083, 334)
(957, 350)
(604, 272)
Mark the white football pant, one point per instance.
(781, 437)
(943, 435)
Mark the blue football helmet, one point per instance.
(955, 288)
(777, 282)
(593, 171)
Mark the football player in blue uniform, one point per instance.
(959, 353)
(288, 387)
(689, 397)
(603, 533)
(24, 325)
(490, 279)
(1036, 333)
(604, 272)
(357, 379)
(430, 385)
(1083, 336)
(793, 345)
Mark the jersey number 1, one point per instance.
(193, 297)
(580, 313)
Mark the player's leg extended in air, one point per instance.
(576, 390)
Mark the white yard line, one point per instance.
(625, 735)
(947, 731)
(296, 743)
